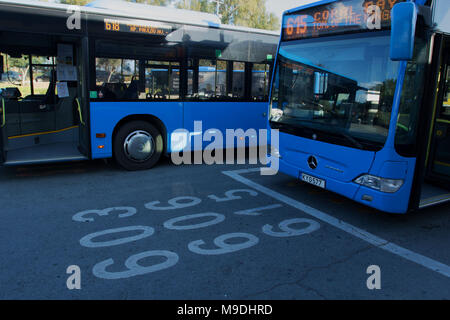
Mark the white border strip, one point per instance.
(426, 262)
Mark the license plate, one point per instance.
(313, 180)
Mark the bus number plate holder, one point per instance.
(313, 180)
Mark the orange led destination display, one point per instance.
(338, 17)
(137, 26)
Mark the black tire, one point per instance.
(122, 139)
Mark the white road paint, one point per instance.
(81, 216)
(174, 203)
(412, 256)
(145, 232)
(291, 232)
(230, 195)
(217, 218)
(224, 247)
(134, 269)
(257, 211)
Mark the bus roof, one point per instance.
(119, 8)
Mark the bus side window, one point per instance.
(117, 79)
(206, 79)
(238, 79)
(260, 82)
(162, 80)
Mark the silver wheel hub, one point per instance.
(139, 146)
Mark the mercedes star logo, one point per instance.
(312, 162)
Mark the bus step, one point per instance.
(56, 152)
(433, 195)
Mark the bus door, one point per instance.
(82, 98)
(439, 158)
(43, 105)
(436, 187)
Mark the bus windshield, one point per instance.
(342, 86)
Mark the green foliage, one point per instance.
(196, 5)
(247, 13)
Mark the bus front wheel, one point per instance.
(138, 145)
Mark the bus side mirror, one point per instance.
(403, 29)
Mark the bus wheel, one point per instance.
(138, 145)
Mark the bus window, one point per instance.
(190, 83)
(118, 79)
(411, 98)
(162, 80)
(28, 88)
(206, 79)
(17, 74)
(42, 68)
(260, 82)
(221, 79)
(238, 79)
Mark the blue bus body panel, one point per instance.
(335, 163)
(106, 115)
(388, 164)
(226, 115)
(175, 115)
(337, 166)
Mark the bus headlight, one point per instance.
(380, 184)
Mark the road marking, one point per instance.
(224, 247)
(424, 261)
(87, 242)
(217, 218)
(290, 232)
(257, 211)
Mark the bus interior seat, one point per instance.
(11, 98)
(37, 112)
(131, 93)
(113, 91)
(50, 96)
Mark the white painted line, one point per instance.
(426, 262)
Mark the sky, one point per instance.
(279, 6)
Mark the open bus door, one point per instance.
(436, 188)
(44, 113)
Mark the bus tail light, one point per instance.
(380, 184)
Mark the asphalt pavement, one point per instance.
(207, 232)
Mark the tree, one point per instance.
(196, 5)
(247, 13)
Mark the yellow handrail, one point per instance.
(3, 113)
(79, 112)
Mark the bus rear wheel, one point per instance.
(138, 145)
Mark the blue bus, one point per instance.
(116, 79)
(360, 97)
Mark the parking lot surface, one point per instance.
(207, 232)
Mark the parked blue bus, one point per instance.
(116, 79)
(360, 97)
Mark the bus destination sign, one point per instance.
(137, 26)
(338, 17)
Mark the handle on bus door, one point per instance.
(3, 113)
(79, 111)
